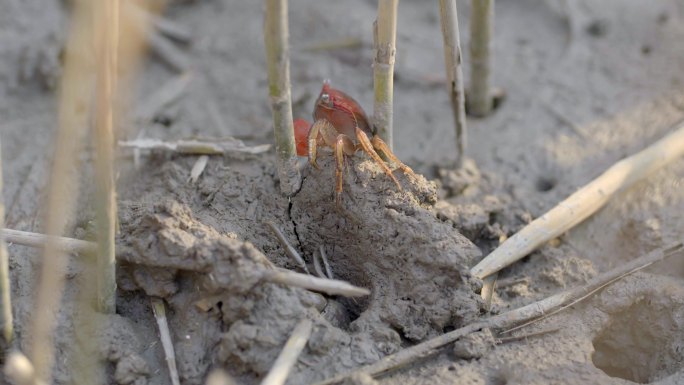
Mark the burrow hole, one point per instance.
(641, 344)
(545, 183)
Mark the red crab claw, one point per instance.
(301, 131)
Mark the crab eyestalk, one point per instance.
(278, 59)
(385, 36)
(480, 101)
(452, 59)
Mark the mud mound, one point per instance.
(392, 242)
(221, 311)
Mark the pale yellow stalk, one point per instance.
(385, 36)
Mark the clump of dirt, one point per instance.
(391, 241)
(223, 313)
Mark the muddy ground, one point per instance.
(587, 83)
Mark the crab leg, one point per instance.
(343, 145)
(328, 136)
(368, 148)
(380, 145)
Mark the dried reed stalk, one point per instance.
(583, 203)
(75, 92)
(454, 71)
(107, 16)
(276, 35)
(384, 41)
(5, 287)
(309, 282)
(159, 310)
(67, 245)
(288, 357)
(480, 100)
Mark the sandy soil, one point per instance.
(587, 82)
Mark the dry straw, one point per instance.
(5, 293)
(385, 36)
(159, 310)
(454, 71)
(107, 13)
(276, 35)
(75, 91)
(583, 203)
(480, 100)
(288, 357)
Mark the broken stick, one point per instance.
(583, 203)
(309, 282)
(288, 357)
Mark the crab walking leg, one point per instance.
(343, 145)
(380, 145)
(313, 141)
(368, 148)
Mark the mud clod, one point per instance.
(474, 346)
(415, 265)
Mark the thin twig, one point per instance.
(505, 340)
(583, 203)
(159, 310)
(328, 286)
(276, 35)
(511, 318)
(480, 99)
(318, 269)
(5, 287)
(503, 283)
(68, 245)
(286, 245)
(282, 276)
(326, 264)
(385, 42)
(288, 357)
(454, 71)
(223, 146)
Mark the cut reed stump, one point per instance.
(454, 71)
(103, 136)
(276, 35)
(384, 41)
(480, 101)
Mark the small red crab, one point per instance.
(341, 123)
